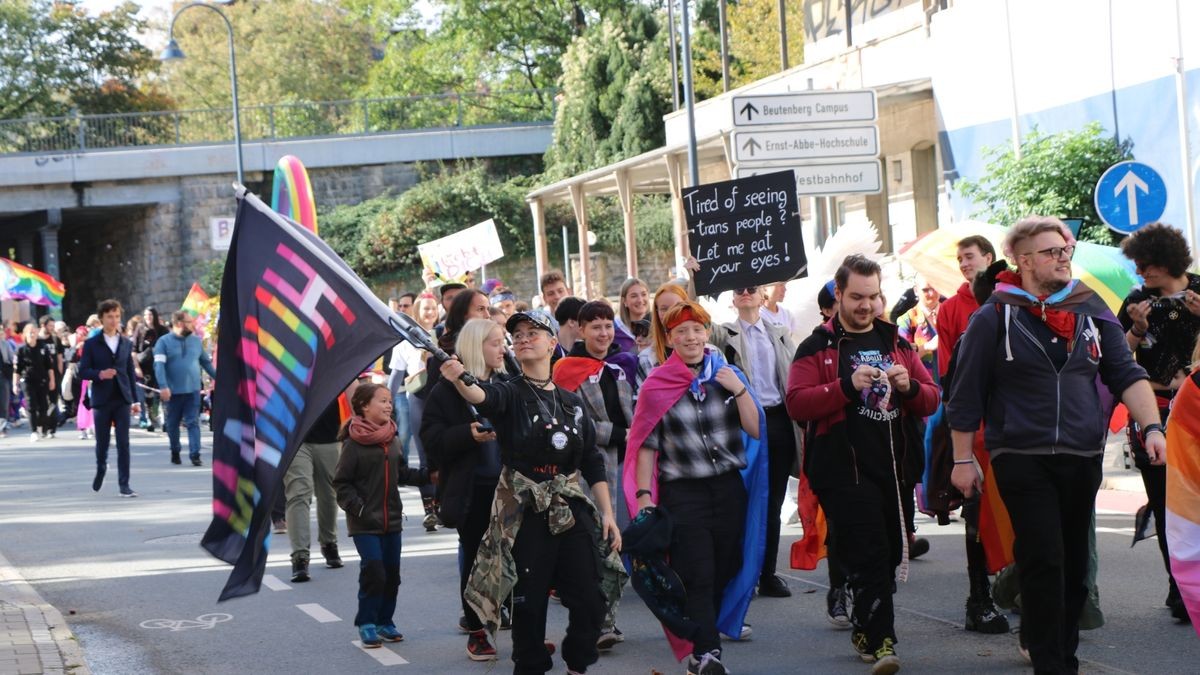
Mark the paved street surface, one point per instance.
(140, 595)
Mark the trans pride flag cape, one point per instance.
(667, 384)
(1183, 494)
(297, 325)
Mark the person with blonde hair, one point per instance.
(1026, 368)
(634, 306)
(461, 444)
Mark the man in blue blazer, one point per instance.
(108, 362)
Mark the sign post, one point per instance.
(1130, 195)
(745, 232)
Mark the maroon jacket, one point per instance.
(818, 396)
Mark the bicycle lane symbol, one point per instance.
(202, 622)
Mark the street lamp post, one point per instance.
(173, 52)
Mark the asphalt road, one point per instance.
(130, 578)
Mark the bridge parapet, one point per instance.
(306, 119)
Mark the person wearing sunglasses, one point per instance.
(1027, 368)
(1161, 319)
(763, 351)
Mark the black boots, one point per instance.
(299, 570)
(982, 615)
(332, 559)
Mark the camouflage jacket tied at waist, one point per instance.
(494, 573)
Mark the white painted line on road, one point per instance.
(383, 655)
(275, 583)
(1116, 530)
(318, 612)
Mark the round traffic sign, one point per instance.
(1130, 195)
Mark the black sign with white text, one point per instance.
(745, 232)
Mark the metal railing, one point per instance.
(75, 133)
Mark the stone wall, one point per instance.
(151, 255)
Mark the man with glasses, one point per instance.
(179, 357)
(1161, 319)
(1027, 368)
(763, 350)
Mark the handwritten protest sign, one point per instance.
(454, 255)
(745, 232)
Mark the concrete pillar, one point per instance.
(925, 188)
(540, 252)
(675, 177)
(50, 254)
(580, 205)
(625, 194)
(878, 214)
(25, 250)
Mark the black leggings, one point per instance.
(781, 458)
(470, 533)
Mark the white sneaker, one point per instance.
(35, 437)
(83, 435)
(51, 434)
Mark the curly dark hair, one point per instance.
(1160, 245)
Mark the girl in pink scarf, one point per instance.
(369, 471)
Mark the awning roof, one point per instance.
(647, 173)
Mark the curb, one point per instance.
(45, 625)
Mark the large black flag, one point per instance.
(297, 325)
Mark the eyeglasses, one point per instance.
(1057, 252)
(526, 336)
(749, 290)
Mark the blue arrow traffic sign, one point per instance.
(1130, 195)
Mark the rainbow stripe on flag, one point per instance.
(1183, 493)
(196, 301)
(18, 282)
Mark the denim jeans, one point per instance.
(185, 407)
(378, 577)
(404, 427)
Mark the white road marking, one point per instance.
(1116, 530)
(275, 583)
(318, 612)
(383, 655)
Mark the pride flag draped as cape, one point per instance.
(1183, 494)
(666, 385)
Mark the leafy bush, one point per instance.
(1055, 176)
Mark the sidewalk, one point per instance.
(1116, 476)
(34, 638)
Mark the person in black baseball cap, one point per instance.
(547, 444)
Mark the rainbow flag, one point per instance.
(18, 282)
(196, 301)
(1183, 493)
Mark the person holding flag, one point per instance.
(544, 530)
(695, 451)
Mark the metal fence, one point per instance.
(277, 121)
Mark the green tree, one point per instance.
(615, 90)
(55, 57)
(287, 50)
(1056, 175)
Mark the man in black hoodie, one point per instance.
(1028, 366)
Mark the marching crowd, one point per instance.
(560, 438)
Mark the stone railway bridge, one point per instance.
(134, 223)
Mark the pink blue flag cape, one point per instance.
(297, 325)
(667, 384)
(1183, 494)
